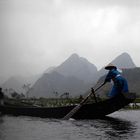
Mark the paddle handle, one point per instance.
(75, 109)
(99, 87)
(92, 92)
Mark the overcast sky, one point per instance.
(37, 34)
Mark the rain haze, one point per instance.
(38, 34)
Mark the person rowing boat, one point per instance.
(120, 83)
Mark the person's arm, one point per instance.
(108, 77)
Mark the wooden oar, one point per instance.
(75, 109)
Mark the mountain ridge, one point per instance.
(76, 69)
(75, 75)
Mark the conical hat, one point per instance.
(110, 66)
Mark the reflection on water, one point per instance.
(32, 128)
(109, 128)
(1, 128)
(118, 128)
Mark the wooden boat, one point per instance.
(87, 111)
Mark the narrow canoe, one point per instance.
(87, 111)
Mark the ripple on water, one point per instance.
(120, 125)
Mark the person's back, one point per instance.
(120, 83)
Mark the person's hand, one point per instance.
(106, 80)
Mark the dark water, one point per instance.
(122, 125)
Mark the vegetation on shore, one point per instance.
(17, 99)
(43, 102)
(57, 102)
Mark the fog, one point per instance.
(38, 34)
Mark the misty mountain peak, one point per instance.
(124, 60)
(124, 55)
(78, 67)
(74, 56)
(76, 59)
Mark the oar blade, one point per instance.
(72, 112)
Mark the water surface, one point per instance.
(119, 125)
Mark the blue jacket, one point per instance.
(120, 83)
